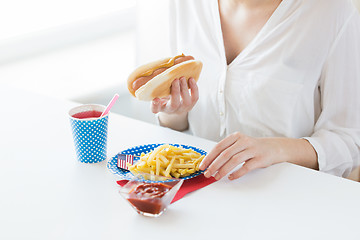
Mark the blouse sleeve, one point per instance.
(336, 136)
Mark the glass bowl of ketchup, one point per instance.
(150, 195)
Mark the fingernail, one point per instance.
(207, 174)
(230, 177)
(217, 176)
(202, 164)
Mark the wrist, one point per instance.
(176, 121)
(297, 151)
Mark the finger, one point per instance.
(175, 95)
(163, 102)
(248, 166)
(234, 161)
(184, 91)
(221, 146)
(159, 104)
(194, 91)
(224, 157)
(155, 105)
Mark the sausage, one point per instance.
(143, 80)
(183, 59)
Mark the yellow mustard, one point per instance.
(168, 64)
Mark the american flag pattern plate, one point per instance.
(122, 173)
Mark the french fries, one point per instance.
(169, 161)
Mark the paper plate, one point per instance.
(136, 151)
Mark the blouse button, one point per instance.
(221, 114)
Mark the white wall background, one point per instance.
(66, 48)
(28, 27)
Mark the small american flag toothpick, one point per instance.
(122, 159)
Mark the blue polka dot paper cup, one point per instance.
(89, 132)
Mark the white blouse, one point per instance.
(298, 78)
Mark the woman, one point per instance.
(280, 83)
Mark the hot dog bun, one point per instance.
(159, 86)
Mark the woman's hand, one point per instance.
(180, 101)
(174, 109)
(254, 153)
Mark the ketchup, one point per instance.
(87, 114)
(146, 197)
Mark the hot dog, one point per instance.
(154, 79)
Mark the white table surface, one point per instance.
(47, 194)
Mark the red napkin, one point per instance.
(188, 185)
